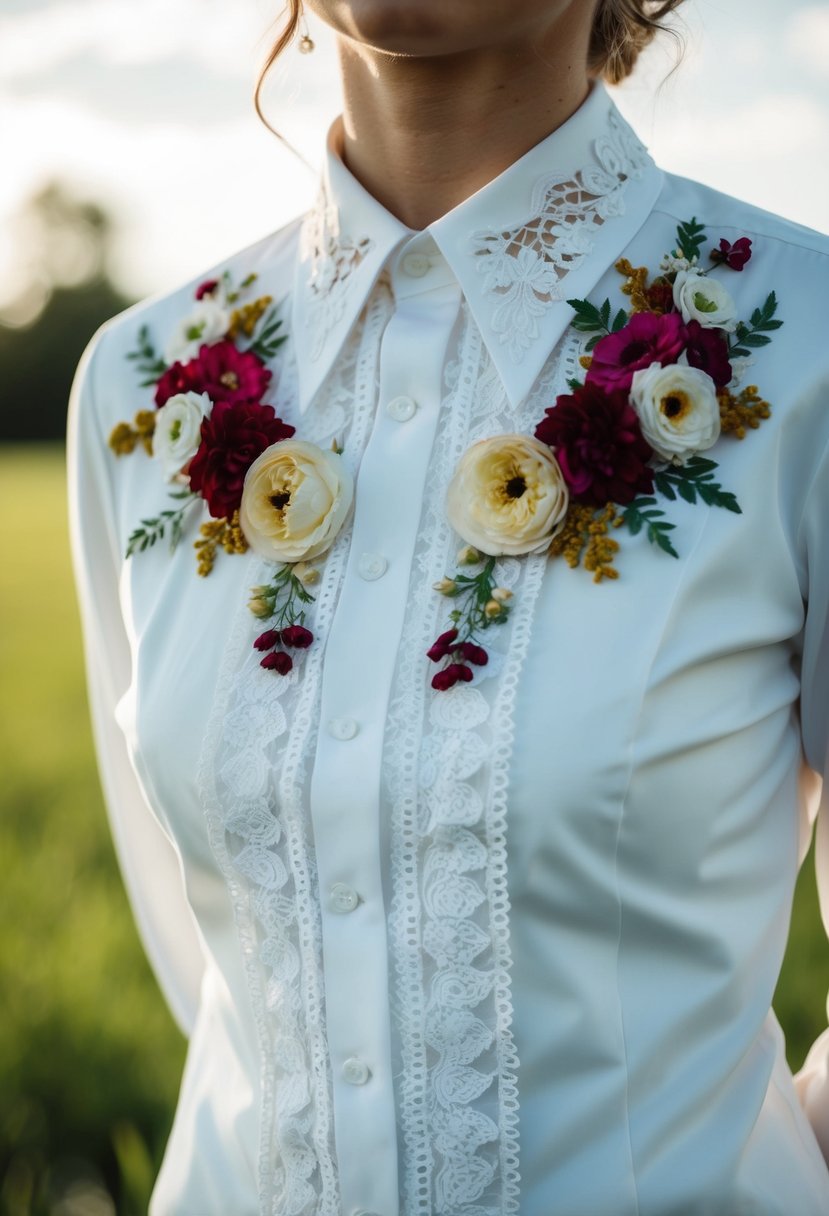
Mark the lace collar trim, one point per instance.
(543, 231)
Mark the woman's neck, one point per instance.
(422, 134)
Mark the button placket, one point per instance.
(361, 649)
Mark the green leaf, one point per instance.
(664, 486)
(574, 385)
(155, 528)
(687, 491)
(690, 238)
(619, 321)
(589, 318)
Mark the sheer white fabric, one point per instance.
(572, 877)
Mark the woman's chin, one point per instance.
(413, 27)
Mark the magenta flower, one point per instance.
(733, 256)
(647, 338)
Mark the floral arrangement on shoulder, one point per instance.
(661, 387)
(218, 443)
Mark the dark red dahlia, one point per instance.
(734, 256)
(707, 349)
(231, 439)
(599, 446)
(647, 338)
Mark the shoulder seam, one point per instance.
(760, 231)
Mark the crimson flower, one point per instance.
(221, 371)
(177, 379)
(599, 445)
(734, 256)
(647, 338)
(232, 436)
(707, 349)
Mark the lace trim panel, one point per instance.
(334, 257)
(445, 774)
(253, 781)
(525, 266)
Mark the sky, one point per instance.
(146, 106)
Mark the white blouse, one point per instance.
(511, 947)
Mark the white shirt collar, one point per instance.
(542, 232)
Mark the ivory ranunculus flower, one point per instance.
(294, 501)
(703, 299)
(507, 495)
(678, 410)
(177, 432)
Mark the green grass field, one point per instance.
(89, 1056)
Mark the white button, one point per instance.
(355, 1072)
(401, 408)
(372, 565)
(343, 898)
(415, 265)
(343, 728)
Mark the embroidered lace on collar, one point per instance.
(543, 231)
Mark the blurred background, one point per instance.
(131, 160)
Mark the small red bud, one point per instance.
(444, 679)
(442, 645)
(473, 654)
(297, 635)
(267, 640)
(206, 288)
(277, 660)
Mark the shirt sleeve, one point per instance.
(812, 1081)
(149, 862)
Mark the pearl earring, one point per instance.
(306, 42)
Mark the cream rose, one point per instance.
(177, 432)
(700, 298)
(294, 501)
(507, 495)
(207, 323)
(678, 410)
